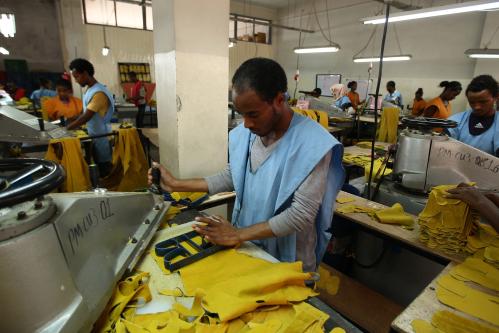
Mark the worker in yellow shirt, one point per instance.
(419, 103)
(98, 109)
(440, 106)
(64, 105)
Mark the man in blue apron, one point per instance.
(98, 109)
(285, 168)
(479, 127)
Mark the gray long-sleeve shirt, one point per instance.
(300, 216)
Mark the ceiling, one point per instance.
(268, 3)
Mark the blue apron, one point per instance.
(98, 125)
(488, 141)
(269, 190)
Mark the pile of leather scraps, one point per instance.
(367, 145)
(448, 322)
(357, 159)
(471, 288)
(391, 215)
(484, 244)
(379, 169)
(445, 223)
(232, 292)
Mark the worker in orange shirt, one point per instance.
(64, 104)
(419, 103)
(353, 95)
(440, 106)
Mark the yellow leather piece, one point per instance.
(130, 165)
(328, 282)
(319, 116)
(378, 167)
(343, 200)
(445, 223)
(458, 295)
(357, 159)
(491, 254)
(421, 326)
(196, 309)
(394, 215)
(72, 161)
(389, 125)
(475, 270)
(367, 145)
(235, 283)
(450, 322)
(172, 292)
(125, 292)
(347, 209)
(338, 330)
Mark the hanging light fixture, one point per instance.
(318, 49)
(4, 51)
(105, 49)
(329, 48)
(7, 25)
(483, 53)
(385, 58)
(464, 7)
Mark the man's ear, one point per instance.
(279, 100)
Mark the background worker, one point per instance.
(440, 106)
(138, 98)
(64, 104)
(394, 96)
(352, 95)
(479, 126)
(288, 216)
(418, 104)
(43, 91)
(341, 100)
(98, 109)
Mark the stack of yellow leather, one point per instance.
(367, 145)
(357, 159)
(391, 215)
(389, 125)
(484, 244)
(378, 169)
(449, 322)
(445, 223)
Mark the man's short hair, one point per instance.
(82, 65)
(390, 84)
(483, 82)
(265, 76)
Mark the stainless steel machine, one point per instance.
(62, 254)
(20, 126)
(425, 159)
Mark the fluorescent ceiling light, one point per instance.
(317, 49)
(4, 51)
(385, 58)
(7, 25)
(483, 53)
(105, 51)
(464, 7)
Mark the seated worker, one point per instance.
(98, 109)
(341, 100)
(14, 91)
(315, 103)
(64, 104)
(487, 205)
(138, 98)
(418, 104)
(44, 91)
(479, 127)
(440, 106)
(394, 96)
(353, 95)
(285, 168)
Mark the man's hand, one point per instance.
(218, 231)
(469, 194)
(167, 180)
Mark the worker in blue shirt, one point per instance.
(44, 91)
(393, 96)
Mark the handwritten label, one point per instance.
(481, 162)
(91, 220)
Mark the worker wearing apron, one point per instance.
(479, 127)
(440, 106)
(286, 170)
(98, 109)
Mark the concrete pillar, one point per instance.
(191, 65)
(72, 33)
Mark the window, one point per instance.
(135, 14)
(250, 29)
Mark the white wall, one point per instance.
(437, 46)
(127, 45)
(489, 66)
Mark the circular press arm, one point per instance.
(428, 123)
(28, 178)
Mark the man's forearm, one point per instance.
(257, 231)
(190, 185)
